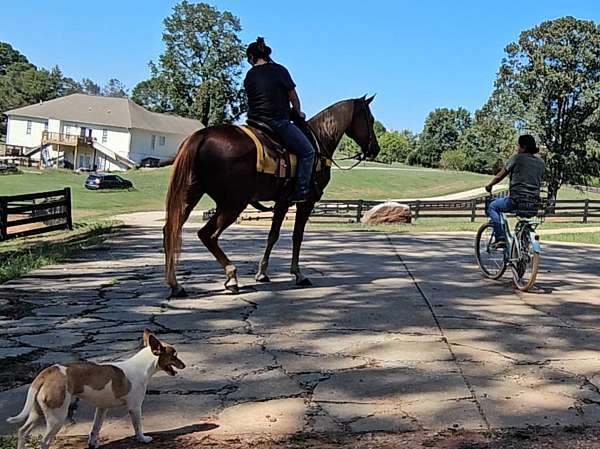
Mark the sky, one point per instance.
(415, 55)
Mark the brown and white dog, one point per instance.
(105, 386)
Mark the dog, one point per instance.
(105, 386)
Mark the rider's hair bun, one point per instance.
(259, 49)
(266, 50)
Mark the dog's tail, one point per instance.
(29, 404)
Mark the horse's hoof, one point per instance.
(304, 282)
(262, 278)
(234, 289)
(178, 292)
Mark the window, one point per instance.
(45, 126)
(104, 135)
(153, 142)
(161, 141)
(67, 129)
(28, 127)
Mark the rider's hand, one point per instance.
(488, 188)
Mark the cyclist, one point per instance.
(526, 171)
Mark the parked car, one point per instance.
(97, 181)
(150, 162)
(6, 169)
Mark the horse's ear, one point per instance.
(370, 99)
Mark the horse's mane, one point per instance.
(331, 123)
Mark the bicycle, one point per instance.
(522, 250)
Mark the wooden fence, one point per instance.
(351, 211)
(35, 213)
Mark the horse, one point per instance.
(220, 161)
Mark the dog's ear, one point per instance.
(155, 345)
(147, 333)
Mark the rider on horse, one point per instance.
(270, 90)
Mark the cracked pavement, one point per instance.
(400, 333)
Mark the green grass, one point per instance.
(382, 184)
(592, 238)
(433, 225)
(20, 256)
(151, 187)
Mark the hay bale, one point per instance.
(388, 212)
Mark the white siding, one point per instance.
(17, 131)
(117, 139)
(141, 145)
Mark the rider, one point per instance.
(526, 171)
(270, 90)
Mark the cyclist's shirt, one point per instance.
(526, 173)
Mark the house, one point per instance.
(92, 132)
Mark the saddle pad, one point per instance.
(266, 161)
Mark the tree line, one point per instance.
(547, 85)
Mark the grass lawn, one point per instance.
(592, 238)
(151, 187)
(22, 255)
(434, 225)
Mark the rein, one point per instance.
(359, 156)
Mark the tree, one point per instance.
(395, 146)
(198, 75)
(149, 94)
(487, 143)
(442, 130)
(89, 87)
(9, 56)
(114, 88)
(553, 72)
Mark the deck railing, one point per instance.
(64, 139)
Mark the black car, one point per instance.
(97, 181)
(8, 168)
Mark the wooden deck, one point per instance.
(72, 140)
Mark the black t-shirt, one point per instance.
(267, 88)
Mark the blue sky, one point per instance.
(416, 55)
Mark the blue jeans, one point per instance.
(499, 205)
(297, 142)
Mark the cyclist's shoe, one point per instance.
(498, 245)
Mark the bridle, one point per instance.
(360, 156)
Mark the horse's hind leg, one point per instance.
(281, 210)
(210, 234)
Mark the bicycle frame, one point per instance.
(511, 239)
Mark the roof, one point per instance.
(108, 111)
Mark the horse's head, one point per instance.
(361, 128)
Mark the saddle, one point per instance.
(272, 157)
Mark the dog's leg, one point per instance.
(54, 422)
(136, 419)
(99, 416)
(27, 427)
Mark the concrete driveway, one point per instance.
(400, 333)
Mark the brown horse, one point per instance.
(220, 161)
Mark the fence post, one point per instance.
(3, 218)
(69, 208)
(585, 210)
(473, 210)
(359, 210)
(417, 207)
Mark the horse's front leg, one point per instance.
(279, 213)
(303, 211)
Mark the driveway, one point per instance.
(399, 334)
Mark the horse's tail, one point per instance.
(177, 202)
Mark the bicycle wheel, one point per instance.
(490, 261)
(525, 265)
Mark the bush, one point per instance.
(453, 160)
